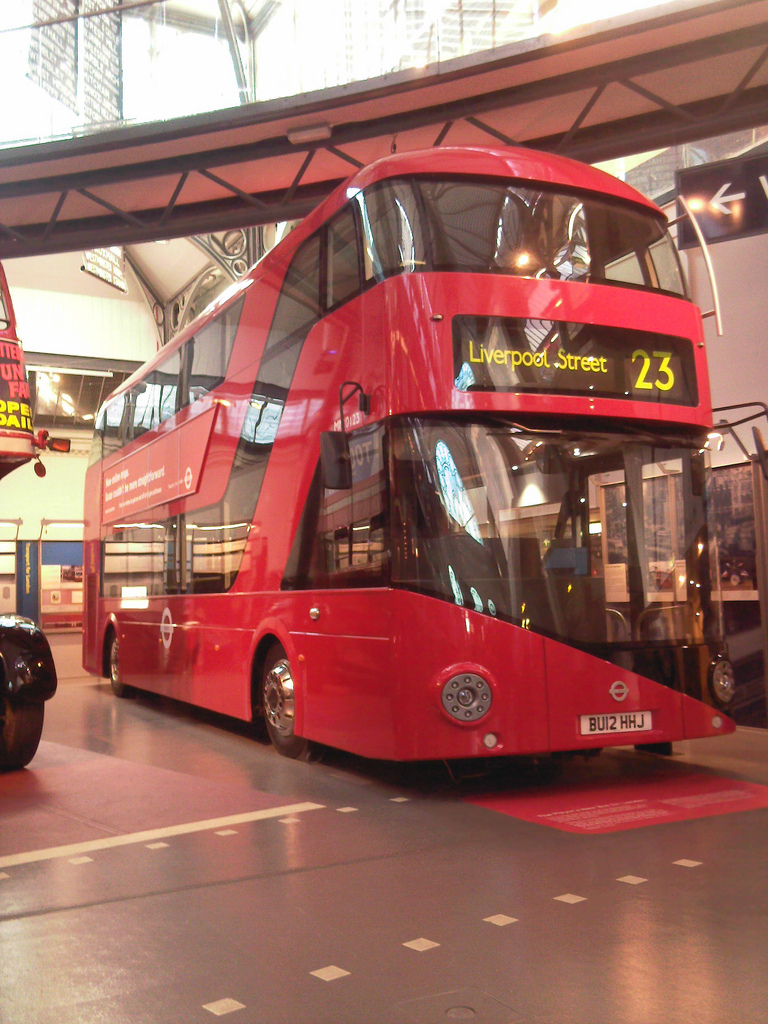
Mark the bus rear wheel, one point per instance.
(119, 688)
(278, 701)
(20, 730)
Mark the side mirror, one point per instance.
(58, 444)
(335, 463)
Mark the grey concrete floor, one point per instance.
(162, 865)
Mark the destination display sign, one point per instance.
(546, 356)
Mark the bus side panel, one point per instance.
(581, 684)
(345, 658)
(93, 613)
(218, 646)
(435, 640)
(195, 652)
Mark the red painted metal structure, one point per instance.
(27, 671)
(524, 561)
(18, 443)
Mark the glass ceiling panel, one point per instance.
(73, 68)
(64, 399)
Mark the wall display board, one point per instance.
(737, 564)
(28, 579)
(61, 584)
(735, 515)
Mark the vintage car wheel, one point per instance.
(20, 729)
(278, 702)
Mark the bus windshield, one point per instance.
(492, 226)
(592, 539)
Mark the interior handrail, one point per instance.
(715, 311)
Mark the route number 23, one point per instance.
(656, 366)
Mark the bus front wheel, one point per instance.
(20, 730)
(278, 700)
(119, 688)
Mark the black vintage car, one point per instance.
(28, 679)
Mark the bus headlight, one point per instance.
(722, 680)
(467, 697)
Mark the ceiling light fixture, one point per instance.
(309, 133)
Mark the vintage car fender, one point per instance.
(26, 662)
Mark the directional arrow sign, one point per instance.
(729, 199)
(720, 201)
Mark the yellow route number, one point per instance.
(654, 371)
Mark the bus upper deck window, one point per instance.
(210, 350)
(392, 231)
(343, 276)
(502, 227)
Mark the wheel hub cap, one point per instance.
(279, 702)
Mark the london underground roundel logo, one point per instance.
(619, 690)
(166, 628)
(188, 477)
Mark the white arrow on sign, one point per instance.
(719, 199)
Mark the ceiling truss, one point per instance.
(240, 168)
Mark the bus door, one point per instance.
(343, 619)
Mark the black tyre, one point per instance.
(20, 729)
(278, 701)
(119, 688)
(664, 748)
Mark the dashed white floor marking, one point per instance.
(346, 810)
(4, 874)
(226, 832)
(129, 839)
(421, 945)
(399, 799)
(80, 860)
(500, 920)
(156, 846)
(632, 879)
(330, 973)
(688, 863)
(222, 1006)
(570, 898)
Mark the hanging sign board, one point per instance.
(729, 199)
(108, 265)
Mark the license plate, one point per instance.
(624, 721)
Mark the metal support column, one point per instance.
(760, 492)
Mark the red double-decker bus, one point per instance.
(431, 481)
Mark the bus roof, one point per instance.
(514, 162)
(480, 161)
